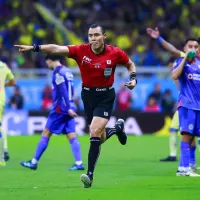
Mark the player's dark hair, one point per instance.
(97, 25)
(190, 39)
(53, 57)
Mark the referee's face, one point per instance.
(96, 38)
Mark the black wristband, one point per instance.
(36, 48)
(133, 77)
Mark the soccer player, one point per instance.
(175, 121)
(61, 118)
(97, 62)
(6, 79)
(188, 74)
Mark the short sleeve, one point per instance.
(73, 50)
(9, 73)
(123, 57)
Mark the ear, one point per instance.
(104, 35)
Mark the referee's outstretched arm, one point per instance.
(46, 48)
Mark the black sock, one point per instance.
(110, 132)
(93, 155)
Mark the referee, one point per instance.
(97, 62)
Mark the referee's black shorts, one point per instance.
(98, 102)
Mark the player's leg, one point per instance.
(96, 128)
(5, 145)
(76, 151)
(104, 110)
(118, 130)
(41, 147)
(2, 161)
(192, 155)
(4, 135)
(187, 119)
(174, 128)
(74, 143)
(193, 144)
(198, 142)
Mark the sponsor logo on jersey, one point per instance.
(107, 72)
(193, 76)
(86, 59)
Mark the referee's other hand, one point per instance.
(72, 113)
(131, 84)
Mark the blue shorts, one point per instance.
(189, 121)
(59, 123)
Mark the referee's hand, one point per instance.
(24, 48)
(131, 84)
(72, 113)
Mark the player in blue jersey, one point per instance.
(175, 121)
(186, 70)
(61, 118)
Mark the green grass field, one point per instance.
(123, 172)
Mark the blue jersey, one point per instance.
(189, 81)
(62, 86)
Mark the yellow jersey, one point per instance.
(5, 74)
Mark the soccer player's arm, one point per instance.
(10, 79)
(126, 61)
(171, 48)
(63, 90)
(155, 34)
(178, 68)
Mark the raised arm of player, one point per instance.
(132, 73)
(177, 71)
(46, 48)
(166, 45)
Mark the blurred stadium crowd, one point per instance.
(28, 22)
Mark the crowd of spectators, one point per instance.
(125, 22)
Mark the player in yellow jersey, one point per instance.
(6, 79)
(175, 120)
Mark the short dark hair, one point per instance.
(190, 39)
(97, 25)
(53, 57)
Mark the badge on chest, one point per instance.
(107, 72)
